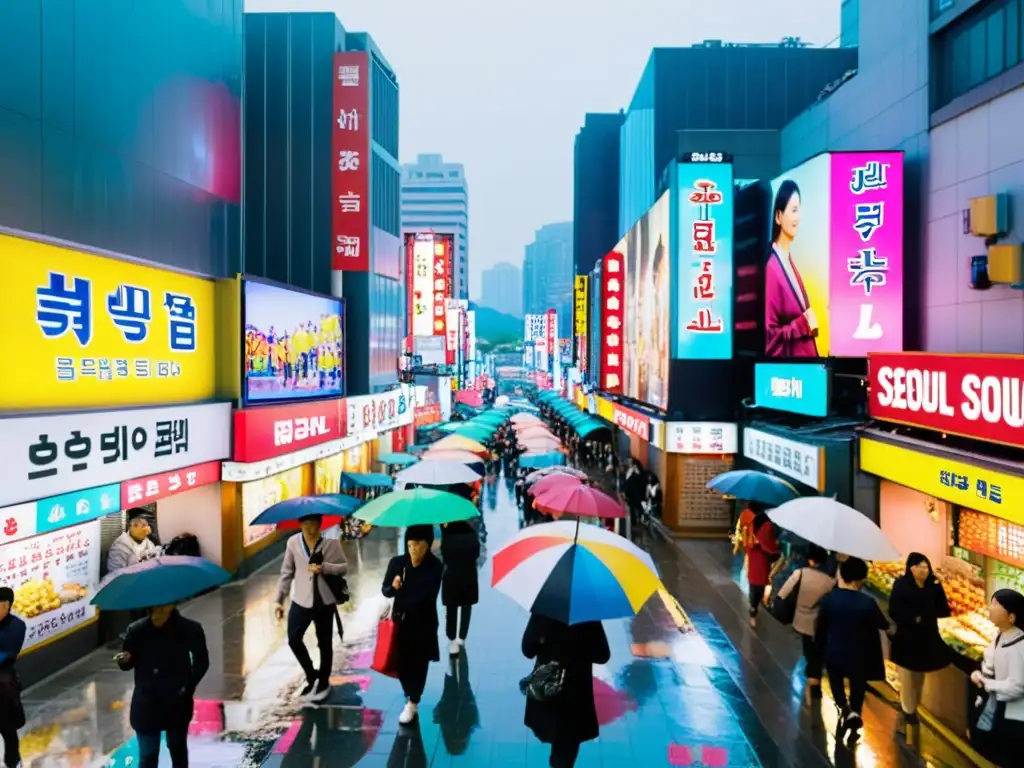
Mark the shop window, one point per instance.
(1012, 35)
(995, 51)
(978, 47)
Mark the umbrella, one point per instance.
(834, 526)
(459, 443)
(164, 580)
(579, 500)
(332, 506)
(451, 426)
(420, 506)
(438, 472)
(469, 397)
(491, 417)
(751, 485)
(397, 459)
(573, 572)
(588, 426)
(541, 460)
(501, 400)
(439, 454)
(553, 480)
(533, 477)
(367, 480)
(527, 430)
(610, 703)
(526, 418)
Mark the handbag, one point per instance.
(336, 583)
(385, 653)
(783, 609)
(545, 682)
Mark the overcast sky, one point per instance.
(503, 87)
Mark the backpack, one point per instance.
(183, 544)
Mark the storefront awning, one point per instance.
(366, 480)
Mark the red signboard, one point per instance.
(613, 296)
(145, 490)
(551, 329)
(977, 396)
(350, 142)
(988, 535)
(425, 415)
(270, 431)
(633, 422)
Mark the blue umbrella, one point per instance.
(397, 459)
(751, 485)
(331, 505)
(163, 580)
(541, 460)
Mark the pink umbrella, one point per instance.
(553, 481)
(611, 704)
(540, 441)
(579, 500)
(534, 430)
(525, 418)
(533, 477)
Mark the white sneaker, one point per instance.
(408, 713)
(454, 648)
(461, 642)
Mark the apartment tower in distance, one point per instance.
(435, 198)
(548, 275)
(501, 289)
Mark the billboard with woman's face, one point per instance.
(834, 270)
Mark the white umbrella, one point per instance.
(834, 526)
(437, 472)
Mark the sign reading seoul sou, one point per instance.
(350, 180)
(834, 271)
(42, 456)
(705, 200)
(792, 387)
(976, 396)
(95, 331)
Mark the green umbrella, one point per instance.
(420, 506)
(451, 426)
(397, 459)
(491, 418)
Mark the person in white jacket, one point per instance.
(998, 733)
(307, 557)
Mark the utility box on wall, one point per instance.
(988, 216)
(1005, 264)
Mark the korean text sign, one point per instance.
(54, 577)
(350, 142)
(982, 489)
(613, 294)
(799, 461)
(704, 293)
(293, 344)
(146, 490)
(44, 456)
(976, 396)
(46, 515)
(442, 284)
(419, 248)
(792, 387)
(834, 270)
(93, 331)
(267, 432)
(381, 412)
(581, 304)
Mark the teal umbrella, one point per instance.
(420, 506)
(397, 459)
(451, 426)
(588, 426)
(541, 460)
(366, 480)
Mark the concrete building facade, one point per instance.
(502, 289)
(548, 275)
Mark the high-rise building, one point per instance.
(548, 275)
(289, 167)
(595, 190)
(435, 198)
(502, 289)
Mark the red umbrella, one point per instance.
(549, 482)
(579, 500)
(611, 704)
(469, 397)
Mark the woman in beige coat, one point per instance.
(812, 584)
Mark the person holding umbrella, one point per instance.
(168, 655)
(413, 579)
(12, 713)
(460, 589)
(762, 552)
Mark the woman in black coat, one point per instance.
(917, 603)
(413, 580)
(569, 719)
(460, 588)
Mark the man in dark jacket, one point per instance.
(12, 714)
(168, 653)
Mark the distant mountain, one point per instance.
(496, 326)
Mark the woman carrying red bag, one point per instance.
(414, 581)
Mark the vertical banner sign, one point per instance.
(612, 316)
(866, 253)
(705, 290)
(442, 285)
(581, 310)
(551, 330)
(350, 141)
(420, 254)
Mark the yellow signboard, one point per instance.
(93, 331)
(970, 486)
(582, 304)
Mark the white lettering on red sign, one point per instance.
(638, 425)
(296, 430)
(995, 399)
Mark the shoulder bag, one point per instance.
(784, 609)
(336, 583)
(545, 682)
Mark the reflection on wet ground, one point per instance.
(674, 694)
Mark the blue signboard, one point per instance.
(78, 507)
(792, 387)
(704, 203)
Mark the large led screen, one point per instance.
(293, 344)
(834, 271)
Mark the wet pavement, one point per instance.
(693, 689)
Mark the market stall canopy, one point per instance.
(397, 459)
(459, 443)
(588, 427)
(366, 480)
(526, 418)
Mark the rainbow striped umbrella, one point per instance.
(574, 572)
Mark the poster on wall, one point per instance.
(705, 200)
(293, 344)
(327, 474)
(54, 576)
(649, 327)
(259, 495)
(350, 174)
(834, 271)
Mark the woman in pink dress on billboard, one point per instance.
(790, 325)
